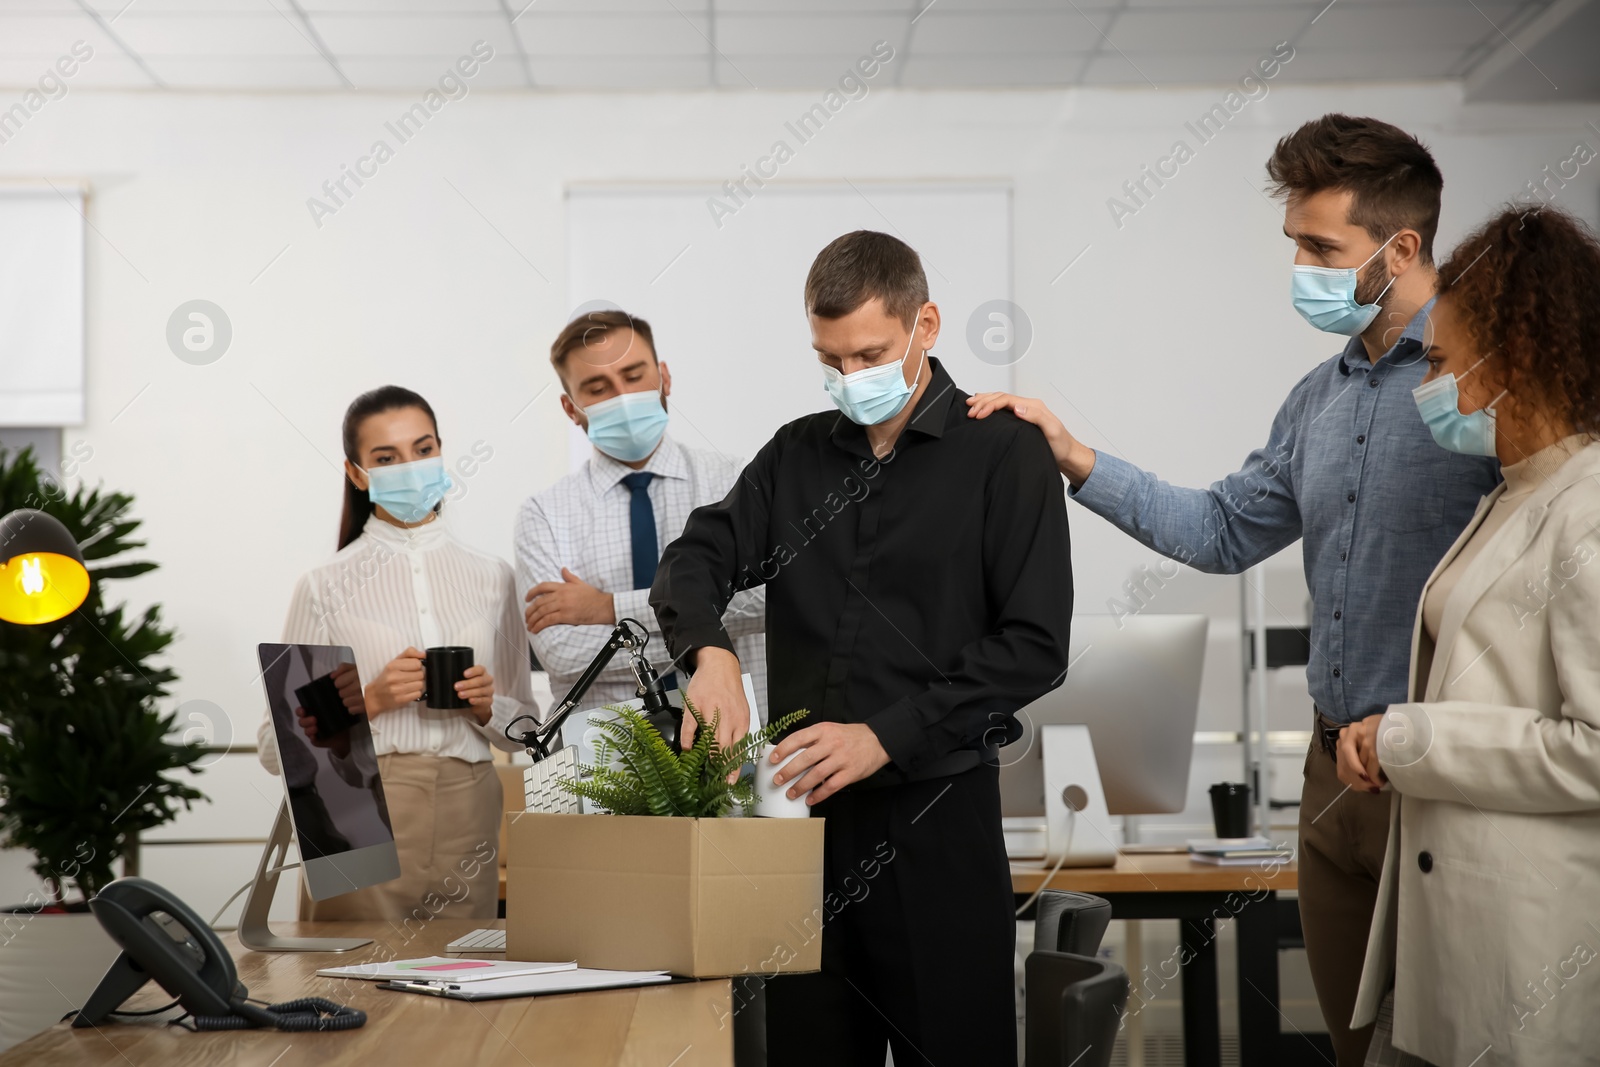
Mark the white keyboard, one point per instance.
(479, 941)
(542, 792)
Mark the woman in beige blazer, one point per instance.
(1488, 915)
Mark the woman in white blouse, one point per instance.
(400, 584)
(1486, 920)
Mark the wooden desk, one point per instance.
(1172, 886)
(674, 1024)
(1159, 872)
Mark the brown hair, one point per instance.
(357, 503)
(590, 327)
(862, 265)
(1524, 284)
(1392, 178)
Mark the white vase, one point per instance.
(49, 964)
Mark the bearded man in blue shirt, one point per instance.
(1350, 468)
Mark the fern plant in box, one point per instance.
(636, 772)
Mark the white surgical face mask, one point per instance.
(874, 394)
(1326, 296)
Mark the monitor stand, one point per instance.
(253, 930)
(1077, 823)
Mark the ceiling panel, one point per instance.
(1369, 64)
(933, 71)
(412, 35)
(610, 72)
(627, 8)
(444, 7)
(817, 73)
(547, 34)
(806, 35)
(1016, 7)
(153, 34)
(52, 35)
(1366, 26)
(423, 72)
(234, 72)
(112, 9)
(1006, 33)
(1549, 63)
(1228, 29)
(812, 8)
(1222, 69)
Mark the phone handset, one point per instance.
(162, 939)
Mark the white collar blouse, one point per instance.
(393, 588)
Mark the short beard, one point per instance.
(1371, 282)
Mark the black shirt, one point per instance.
(927, 594)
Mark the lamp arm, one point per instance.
(629, 634)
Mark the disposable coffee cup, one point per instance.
(444, 666)
(1230, 809)
(772, 801)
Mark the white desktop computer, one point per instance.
(1115, 738)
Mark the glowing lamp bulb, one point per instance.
(32, 577)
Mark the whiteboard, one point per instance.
(41, 306)
(724, 293)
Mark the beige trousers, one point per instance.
(446, 818)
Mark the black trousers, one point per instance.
(918, 934)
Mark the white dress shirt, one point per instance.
(391, 588)
(582, 523)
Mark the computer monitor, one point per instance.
(329, 769)
(1134, 681)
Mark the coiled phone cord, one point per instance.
(306, 1013)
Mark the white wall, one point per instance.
(1170, 340)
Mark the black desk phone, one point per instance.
(162, 939)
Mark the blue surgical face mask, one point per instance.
(628, 426)
(1471, 434)
(875, 394)
(1326, 296)
(409, 491)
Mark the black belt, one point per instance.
(1327, 735)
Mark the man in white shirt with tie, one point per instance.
(587, 546)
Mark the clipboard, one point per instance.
(581, 980)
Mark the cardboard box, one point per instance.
(698, 897)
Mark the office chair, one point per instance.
(1074, 1006)
(1070, 922)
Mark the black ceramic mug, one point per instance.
(442, 669)
(1230, 809)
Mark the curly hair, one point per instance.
(1525, 285)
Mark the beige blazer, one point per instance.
(1488, 910)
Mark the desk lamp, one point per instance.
(42, 576)
(541, 782)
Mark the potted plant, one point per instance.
(635, 771)
(85, 760)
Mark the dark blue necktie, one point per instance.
(642, 531)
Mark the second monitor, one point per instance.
(1134, 682)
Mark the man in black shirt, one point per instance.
(919, 592)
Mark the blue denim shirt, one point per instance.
(1350, 467)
